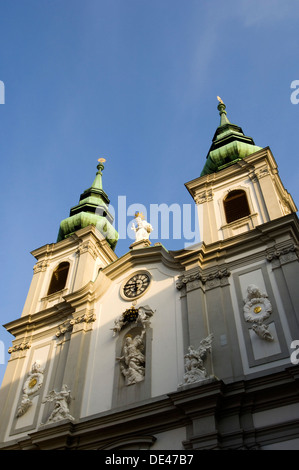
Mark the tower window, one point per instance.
(59, 277)
(236, 205)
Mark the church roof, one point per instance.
(229, 144)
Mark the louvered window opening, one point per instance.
(59, 278)
(236, 206)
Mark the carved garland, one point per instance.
(276, 254)
(221, 273)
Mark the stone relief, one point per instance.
(19, 347)
(139, 316)
(194, 361)
(132, 362)
(216, 278)
(63, 328)
(61, 401)
(32, 384)
(68, 324)
(283, 255)
(257, 308)
(85, 318)
(204, 196)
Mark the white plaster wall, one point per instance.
(167, 363)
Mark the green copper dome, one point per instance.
(91, 210)
(229, 145)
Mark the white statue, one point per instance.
(257, 308)
(143, 228)
(61, 401)
(194, 361)
(144, 317)
(118, 324)
(134, 360)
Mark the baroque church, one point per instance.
(157, 349)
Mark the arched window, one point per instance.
(59, 277)
(236, 205)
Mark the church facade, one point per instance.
(157, 349)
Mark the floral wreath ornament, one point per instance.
(32, 384)
(256, 310)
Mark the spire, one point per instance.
(91, 210)
(97, 184)
(229, 144)
(223, 114)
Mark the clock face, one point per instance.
(136, 285)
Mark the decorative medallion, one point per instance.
(257, 306)
(31, 386)
(34, 380)
(256, 310)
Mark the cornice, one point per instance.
(142, 256)
(175, 409)
(77, 241)
(45, 318)
(260, 238)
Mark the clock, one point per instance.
(136, 285)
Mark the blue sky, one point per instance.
(135, 82)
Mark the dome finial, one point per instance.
(221, 107)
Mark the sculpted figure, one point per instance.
(142, 229)
(118, 324)
(61, 404)
(133, 359)
(194, 361)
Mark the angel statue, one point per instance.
(143, 228)
(194, 361)
(61, 401)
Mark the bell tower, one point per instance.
(239, 187)
(52, 337)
